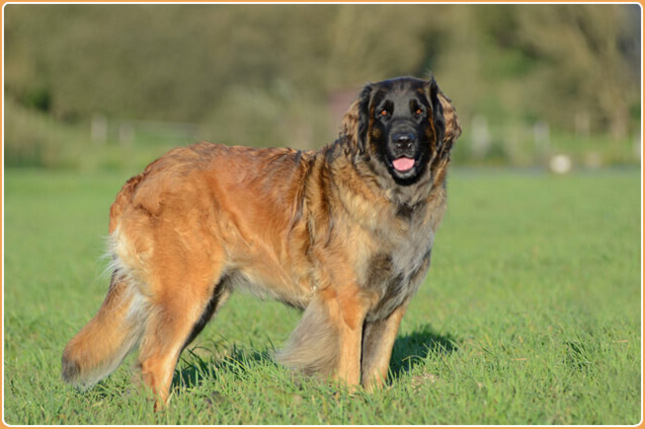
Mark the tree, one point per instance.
(583, 46)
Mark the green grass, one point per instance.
(531, 314)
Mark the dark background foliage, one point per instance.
(282, 74)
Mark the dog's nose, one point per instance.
(403, 141)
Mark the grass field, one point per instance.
(531, 314)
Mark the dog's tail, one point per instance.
(106, 340)
(117, 328)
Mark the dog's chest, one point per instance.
(395, 275)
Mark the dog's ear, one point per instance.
(357, 119)
(445, 117)
(453, 129)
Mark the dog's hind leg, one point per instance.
(179, 312)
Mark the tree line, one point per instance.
(248, 68)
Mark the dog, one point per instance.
(344, 233)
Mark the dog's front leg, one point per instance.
(349, 318)
(377, 343)
(349, 359)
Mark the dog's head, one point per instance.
(403, 123)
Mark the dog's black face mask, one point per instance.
(405, 126)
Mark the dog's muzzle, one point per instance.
(403, 150)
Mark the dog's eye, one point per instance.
(418, 112)
(383, 113)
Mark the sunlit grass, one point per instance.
(530, 315)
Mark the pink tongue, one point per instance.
(403, 163)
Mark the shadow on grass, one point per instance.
(195, 367)
(409, 351)
(412, 349)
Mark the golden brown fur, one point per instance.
(330, 231)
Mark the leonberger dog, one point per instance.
(344, 233)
